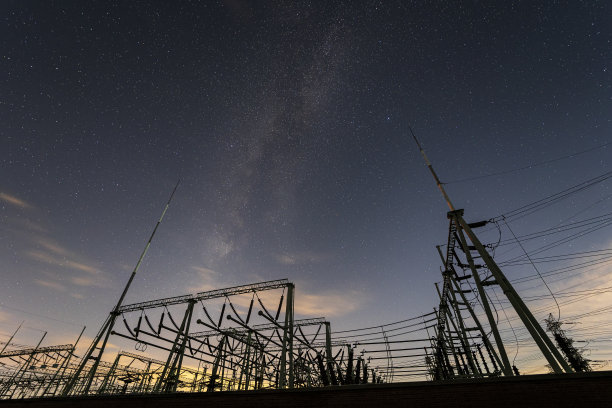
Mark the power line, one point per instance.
(38, 315)
(530, 208)
(500, 173)
(384, 325)
(564, 240)
(601, 219)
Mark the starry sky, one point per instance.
(288, 126)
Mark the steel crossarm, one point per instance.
(122, 368)
(263, 327)
(211, 294)
(334, 343)
(145, 359)
(39, 350)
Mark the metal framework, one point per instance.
(246, 338)
(251, 341)
(31, 372)
(461, 235)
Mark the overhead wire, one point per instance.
(604, 218)
(565, 269)
(386, 324)
(564, 240)
(600, 253)
(38, 315)
(542, 203)
(534, 267)
(513, 332)
(529, 166)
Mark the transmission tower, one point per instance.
(461, 233)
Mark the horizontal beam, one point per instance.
(262, 327)
(39, 350)
(211, 294)
(145, 359)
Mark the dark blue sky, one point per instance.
(288, 124)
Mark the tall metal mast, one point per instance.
(146, 248)
(459, 228)
(433, 173)
(99, 343)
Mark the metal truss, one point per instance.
(246, 345)
(217, 293)
(30, 372)
(462, 346)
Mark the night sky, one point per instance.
(288, 125)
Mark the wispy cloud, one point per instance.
(49, 284)
(63, 262)
(82, 267)
(206, 279)
(17, 202)
(75, 270)
(6, 317)
(299, 258)
(330, 304)
(204, 272)
(87, 281)
(84, 342)
(326, 304)
(53, 246)
(21, 225)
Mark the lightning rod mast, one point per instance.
(99, 343)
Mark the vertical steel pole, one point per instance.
(247, 364)
(63, 366)
(449, 336)
(290, 295)
(213, 376)
(19, 374)
(476, 320)
(109, 375)
(464, 337)
(287, 346)
(178, 363)
(505, 364)
(329, 358)
(168, 379)
(143, 380)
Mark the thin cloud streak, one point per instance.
(17, 202)
(303, 257)
(51, 285)
(64, 263)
